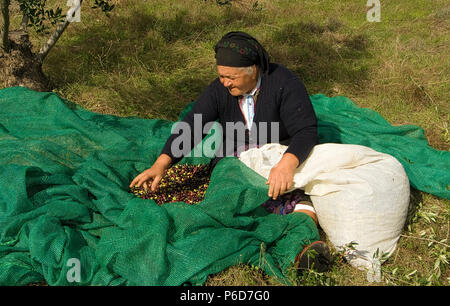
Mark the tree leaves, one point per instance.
(41, 18)
(104, 5)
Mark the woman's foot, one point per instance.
(314, 256)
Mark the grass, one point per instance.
(151, 58)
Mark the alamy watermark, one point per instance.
(74, 273)
(374, 12)
(190, 135)
(75, 7)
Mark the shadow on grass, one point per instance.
(160, 43)
(142, 56)
(113, 46)
(157, 100)
(415, 202)
(156, 53)
(321, 55)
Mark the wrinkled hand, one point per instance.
(282, 175)
(151, 177)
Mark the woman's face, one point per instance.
(237, 80)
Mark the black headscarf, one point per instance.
(239, 49)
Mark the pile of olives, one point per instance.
(181, 183)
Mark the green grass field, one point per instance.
(151, 58)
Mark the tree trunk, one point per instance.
(4, 5)
(20, 67)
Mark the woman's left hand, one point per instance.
(281, 175)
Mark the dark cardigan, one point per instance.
(282, 98)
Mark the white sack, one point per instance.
(360, 195)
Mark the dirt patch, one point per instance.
(19, 66)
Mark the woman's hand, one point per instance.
(153, 175)
(282, 175)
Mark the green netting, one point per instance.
(64, 177)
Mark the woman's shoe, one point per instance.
(315, 256)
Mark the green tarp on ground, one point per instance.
(64, 200)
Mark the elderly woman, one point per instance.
(266, 97)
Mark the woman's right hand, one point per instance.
(153, 175)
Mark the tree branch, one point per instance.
(5, 43)
(43, 52)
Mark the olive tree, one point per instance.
(19, 65)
